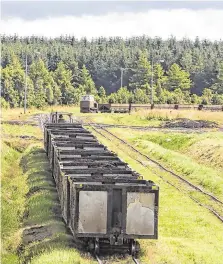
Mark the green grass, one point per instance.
(60, 255)
(210, 179)
(29, 199)
(205, 175)
(21, 130)
(188, 233)
(14, 189)
(181, 141)
(172, 141)
(208, 151)
(123, 119)
(205, 148)
(43, 209)
(153, 118)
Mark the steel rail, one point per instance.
(197, 188)
(135, 260)
(98, 259)
(165, 169)
(150, 128)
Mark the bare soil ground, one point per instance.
(188, 123)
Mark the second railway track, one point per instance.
(108, 135)
(149, 128)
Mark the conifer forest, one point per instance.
(114, 70)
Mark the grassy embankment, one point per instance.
(13, 191)
(51, 242)
(188, 233)
(14, 187)
(32, 227)
(197, 157)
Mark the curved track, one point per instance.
(165, 169)
(149, 128)
(161, 167)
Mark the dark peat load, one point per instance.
(106, 204)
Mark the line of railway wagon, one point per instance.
(117, 108)
(89, 105)
(106, 204)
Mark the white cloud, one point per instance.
(163, 23)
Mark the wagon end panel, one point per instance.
(142, 214)
(92, 212)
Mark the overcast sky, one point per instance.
(113, 18)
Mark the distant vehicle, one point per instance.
(61, 117)
(88, 104)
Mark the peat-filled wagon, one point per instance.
(106, 204)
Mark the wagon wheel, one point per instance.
(96, 248)
(134, 250)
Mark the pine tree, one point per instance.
(187, 61)
(142, 78)
(56, 92)
(30, 95)
(123, 95)
(218, 86)
(112, 98)
(13, 84)
(159, 79)
(140, 97)
(87, 83)
(7, 87)
(63, 77)
(195, 99)
(103, 59)
(42, 81)
(178, 78)
(207, 96)
(102, 94)
(76, 72)
(178, 96)
(217, 99)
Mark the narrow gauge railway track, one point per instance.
(165, 169)
(147, 128)
(55, 144)
(135, 260)
(161, 167)
(110, 136)
(41, 119)
(121, 126)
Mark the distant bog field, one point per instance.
(185, 143)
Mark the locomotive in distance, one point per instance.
(105, 204)
(89, 105)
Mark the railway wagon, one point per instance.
(121, 108)
(211, 107)
(106, 205)
(88, 104)
(125, 108)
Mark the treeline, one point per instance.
(60, 70)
